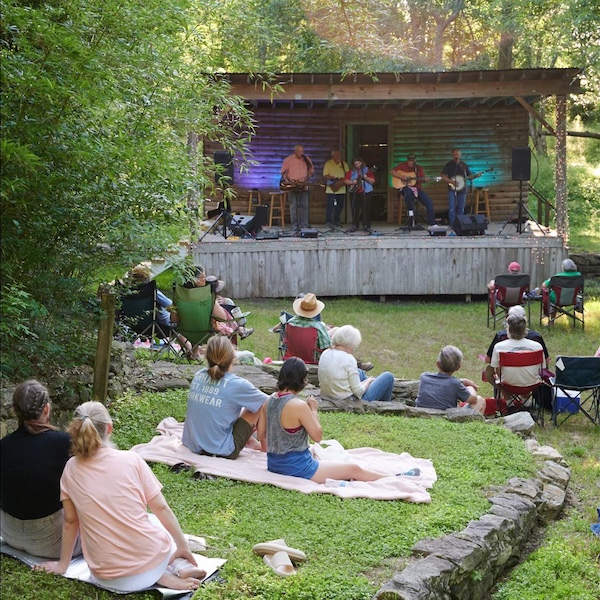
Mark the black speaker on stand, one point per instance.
(224, 175)
(521, 171)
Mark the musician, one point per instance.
(361, 180)
(296, 170)
(334, 171)
(413, 176)
(457, 189)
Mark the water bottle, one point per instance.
(336, 483)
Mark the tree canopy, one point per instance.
(102, 101)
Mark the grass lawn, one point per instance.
(355, 545)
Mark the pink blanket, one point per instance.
(251, 466)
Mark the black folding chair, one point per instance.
(579, 375)
(138, 318)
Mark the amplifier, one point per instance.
(309, 233)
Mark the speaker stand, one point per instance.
(519, 209)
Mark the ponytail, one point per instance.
(89, 429)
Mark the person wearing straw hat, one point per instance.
(307, 309)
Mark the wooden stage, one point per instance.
(391, 263)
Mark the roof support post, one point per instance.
(561, 167)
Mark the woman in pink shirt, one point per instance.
(105, 494)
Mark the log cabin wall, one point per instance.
(486, 135)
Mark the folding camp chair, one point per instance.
(138, 315)
(194, 308)
(568, 300)
(509, 290)
(301, 342)
(576, 388)
(513, 398)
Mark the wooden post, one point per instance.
(105, 336)
(562, 224)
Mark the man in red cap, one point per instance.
(514, 269)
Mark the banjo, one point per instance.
(460, 181)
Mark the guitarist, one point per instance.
(296, 170)
(413, 176)
(334, 171)
(456, 197)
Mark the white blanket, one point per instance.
(78, 569)
(251, 466)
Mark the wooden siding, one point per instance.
(486, 135)
(423, 266)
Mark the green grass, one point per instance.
(356, 545)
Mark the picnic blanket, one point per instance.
(251, 466)
(78, 569)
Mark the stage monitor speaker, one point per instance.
(224, 176)
(241, 225)
(521, 163)
(470, 225)
(309, 233)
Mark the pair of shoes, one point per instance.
(328, 224)
(181, 468)
(365, 366)
(337, 224)
(279, 556)
(247, 331)
(416, 472)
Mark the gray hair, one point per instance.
(516, 327)
(346, 335)
(517, 310)
(568, 265)
(449, 359)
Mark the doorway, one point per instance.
(370, 141)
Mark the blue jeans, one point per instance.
(335, 204)
(381, 389)
(456, 205)
(423, 198)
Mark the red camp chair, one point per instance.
(520, 397)
(301, 342)
(568, 300)
(509, 290)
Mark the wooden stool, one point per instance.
(251, 195)
(486, 203)
(277, 204)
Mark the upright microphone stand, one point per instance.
(519, 209)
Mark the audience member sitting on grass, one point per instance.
(222, 409)
(223, 322)
(105, 494)
(33, 458)
(502, 335)
(442, 390)
(287, 422)
(340, 377)
(516, 328)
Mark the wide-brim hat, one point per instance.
(308, 306)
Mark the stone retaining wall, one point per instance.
(588, 263)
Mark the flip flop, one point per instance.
(275, 546)
(280, 563)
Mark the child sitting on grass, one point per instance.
(442, 390)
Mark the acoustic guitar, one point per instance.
(335, 183)
(401, 179)
(460, 181)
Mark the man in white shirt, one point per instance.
(516, 328)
